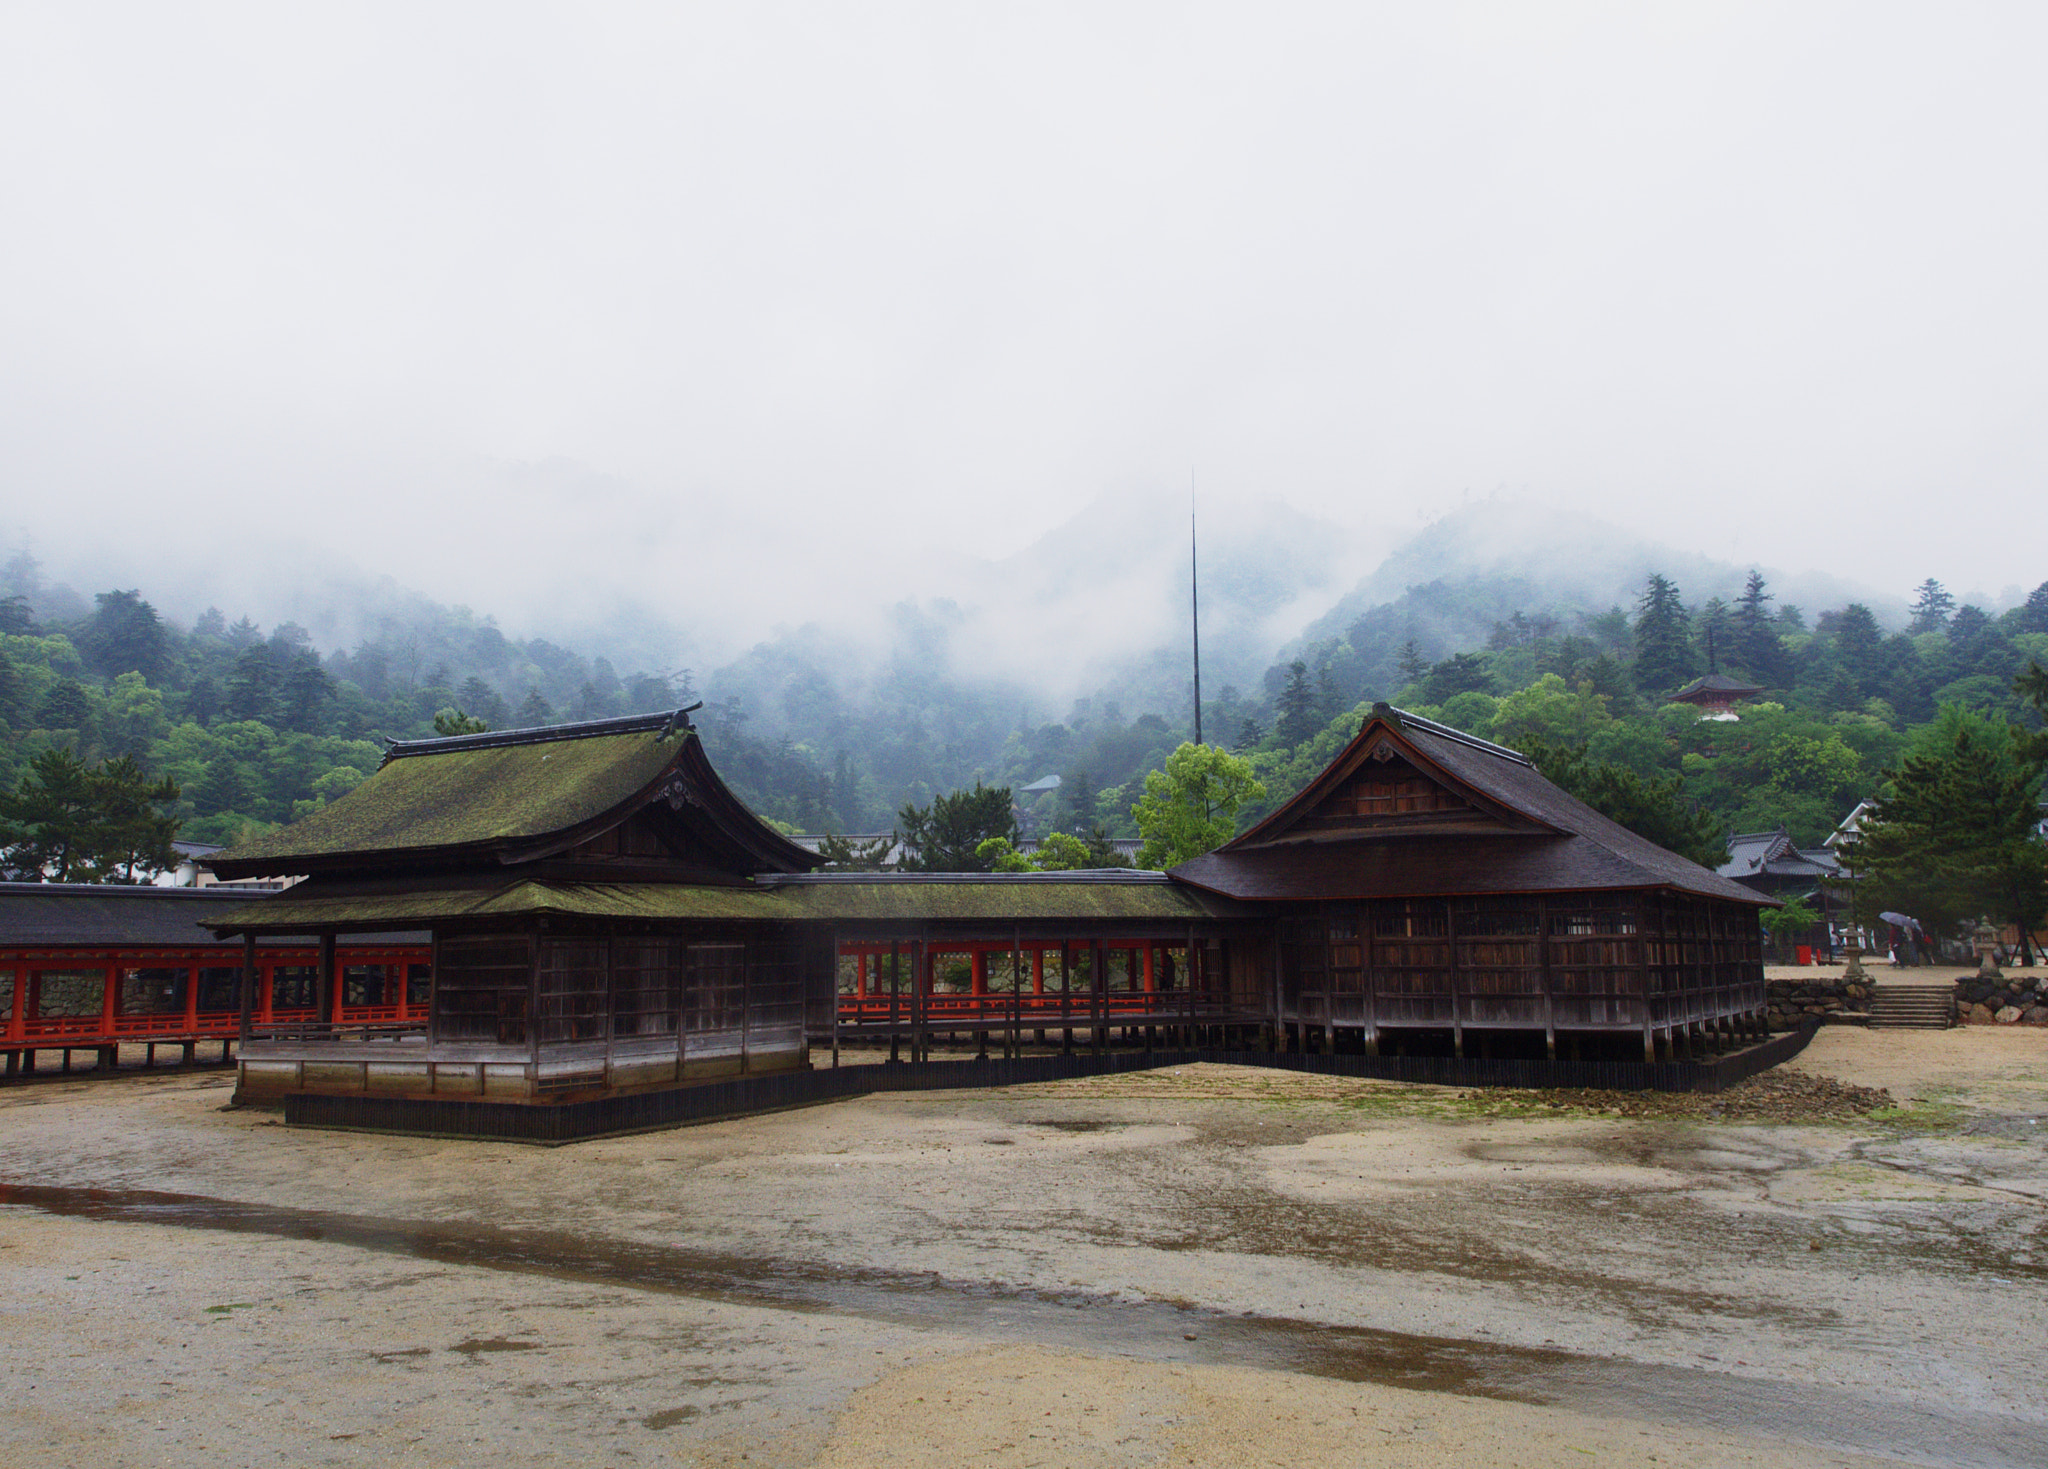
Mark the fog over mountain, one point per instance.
(667, 326)
(1095, 607)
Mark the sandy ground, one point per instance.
(1204, 1266)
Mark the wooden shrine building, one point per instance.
(605, 917)
(1430, 888)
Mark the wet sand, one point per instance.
(1204, 1266)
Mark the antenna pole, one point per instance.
(1195, 604)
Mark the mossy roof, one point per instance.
(882, 899)
(469, 797)
(518, 794)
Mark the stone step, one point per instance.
(1913, 1006)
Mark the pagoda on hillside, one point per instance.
(1715, 695)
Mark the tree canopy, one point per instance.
(947, 835)
(1953, 837)
(1191, 806)
(68, 821)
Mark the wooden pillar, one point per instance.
(1644, 938)
(859, 969)
(330, 979)
(895, 998)
(110, 1006)
(1016, 992)
(247, 988)
(1543, 975)
(1451, 957)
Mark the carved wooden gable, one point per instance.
(1385, 787)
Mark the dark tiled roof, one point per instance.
(1575, 849)
(34, 915)
(1715, 685)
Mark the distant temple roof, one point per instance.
(1413, 808)
(1715, 689)
(1770, 854)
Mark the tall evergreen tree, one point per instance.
(70, 822)
(1932, 605)
(1664, 652)
(1859, 649)
(2032, 614)
(252, 687)
(124, 635)
(1953, 838)
(1757, 649)
(1295, 709)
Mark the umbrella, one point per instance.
(1899, 918)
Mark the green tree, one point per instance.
(1295, 708)
(67, 705)
(1932, 604)
(1552, 712)
(70, 822)
(252, 687)
(946, 835)
(1657, 810)
(1758, 649)
(124, 635)
(1664, 651)
(1057, 852)
(842, 854)
(1786, 923)
(1191, 806)
(452, 721)
(1953, 837)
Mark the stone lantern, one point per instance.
(1987, 948)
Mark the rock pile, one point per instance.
(2019, 998)
(1824, 996)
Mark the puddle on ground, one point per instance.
(1151, 1330)
(477, 1344)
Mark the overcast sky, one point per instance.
(725, 306)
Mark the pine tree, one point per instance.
(1295, 709)
(1932, 605)
(1953, 838)
(945, 836)
(1412, 665)
(2033, 613)
(534, 710)
(1664, 651)
(1859, 649)
(1757, 649)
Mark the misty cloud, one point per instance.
(708, 321)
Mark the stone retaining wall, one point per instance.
(1824, 997)
(2021, 998)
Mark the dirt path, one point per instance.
(1203, 1266)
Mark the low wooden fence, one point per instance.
(562, 1122)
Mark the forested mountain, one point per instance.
(1498, 631)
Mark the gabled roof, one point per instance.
(1497, 827)
(519, 796)
(1714, 688)
(1760, 854)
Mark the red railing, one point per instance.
(96, 979)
